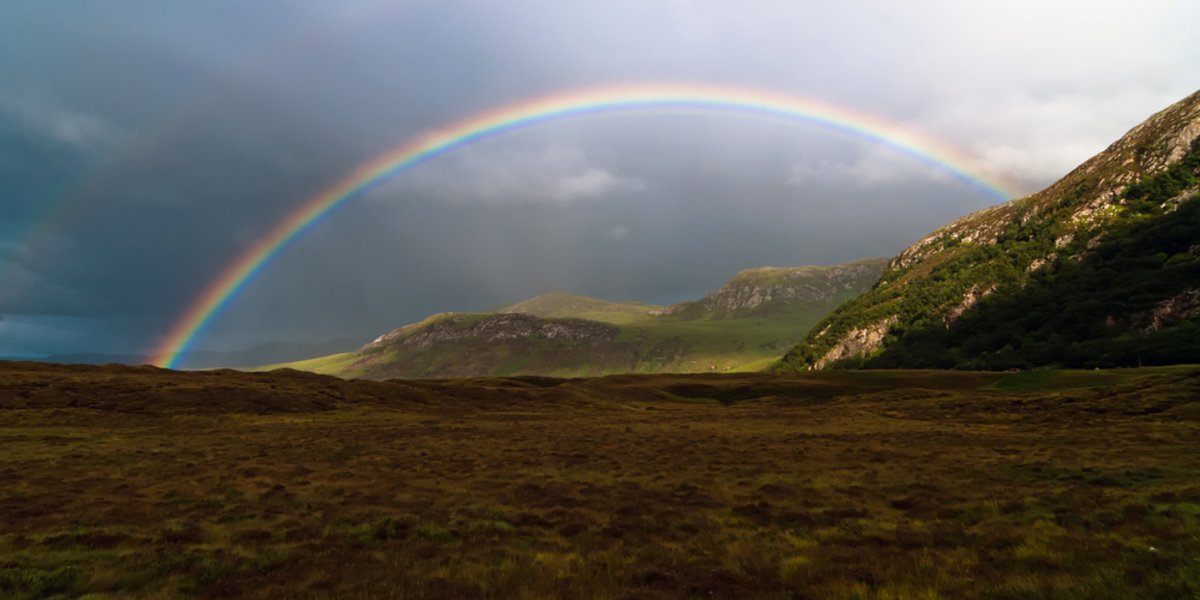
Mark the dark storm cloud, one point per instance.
(180, 132)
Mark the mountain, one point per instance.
(563, 305)
(744, 325)
(1100, 269)
(769, 291)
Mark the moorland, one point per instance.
(125, 482)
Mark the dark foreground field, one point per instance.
(122, 482)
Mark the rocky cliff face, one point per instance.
(493, 328)
(768, 290)
(1182, 306)
(942, 277)
(856, 342)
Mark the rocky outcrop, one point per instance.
(1185, 305)
(493, 328)
(971, 298)
(943, 275)
(1094, 188)
(772, 289)
(857, 342)
(982, 227)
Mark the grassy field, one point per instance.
(333, 364)
(138, 482)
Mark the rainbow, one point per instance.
(435, 143)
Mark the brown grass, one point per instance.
(120, 482)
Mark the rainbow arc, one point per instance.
(668, 97)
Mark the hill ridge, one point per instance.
(567, 304)
(744, 325)
(990, 254)
(762, 291)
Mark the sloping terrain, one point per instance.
(770, 291)
(138, 482)
(562, 305)
(1100, 269)
(744, 325)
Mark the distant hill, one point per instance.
(744, 325)
(1100, 269)
(563, 304)
(207, 359)
(86, 358)
(771, 291)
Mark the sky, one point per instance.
(143, 149)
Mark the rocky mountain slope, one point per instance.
(1101, 268)
(770, 290)
(746, 324)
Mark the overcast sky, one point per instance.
(146, 144)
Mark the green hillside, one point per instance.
(566, 305)
(773, 291)
(744, 325)
(1100, 269)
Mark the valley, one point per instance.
(745, 325)
(885, 301)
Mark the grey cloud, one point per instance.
(872, 169)
(617, 233)
(507, 173)
(44, 117)
(193, 128)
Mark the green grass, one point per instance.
(334, 364)
(1068, 379)
(755, 365)
(1057, 379)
